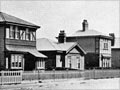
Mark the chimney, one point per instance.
(85, 25)
(62, 37)
(113, 38)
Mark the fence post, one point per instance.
(67, 73)
(79, 74)
(54, 74)
(38, 75)
(94, 73)
(1, 78)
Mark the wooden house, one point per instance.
(18, 44)
(61, 55)
(116, 53)
(96, 44)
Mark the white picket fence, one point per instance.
(10, 77)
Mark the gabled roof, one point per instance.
(44, 44)
(12, 19)
(86, 33)
(67, 46)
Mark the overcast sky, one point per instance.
(54, 16)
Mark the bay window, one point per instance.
(20, 33)
(16, 61)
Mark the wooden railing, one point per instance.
(10, 77)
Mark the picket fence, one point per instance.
(10, 77)
(86, 74)
(15, 77)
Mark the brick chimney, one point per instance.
(113, 38)
(62, 37)
(85, 25)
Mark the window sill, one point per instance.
(105, 49)
(16, 68)
(20, 40)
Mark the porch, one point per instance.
(23, 58)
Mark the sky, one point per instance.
(54, 16)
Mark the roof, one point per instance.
(81, 33)
(31, 50)
(44, 44)
(12, 19)
(67, 46)
(115, 49)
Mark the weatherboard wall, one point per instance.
(88, 44)
(2, 40)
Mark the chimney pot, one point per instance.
(85, 25)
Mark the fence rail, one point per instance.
(10, 77)
(87, 74)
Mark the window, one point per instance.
(20, 33)
(105, 46)
(27, 34)
(6, 62)
(97, 43)
(32, 36)
(108, 63)
(7, 32)
(16, 61)
(17, 33)
(69, 62)
(12, 32)
(78, 60)
(40, 64)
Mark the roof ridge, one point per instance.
(2, 16)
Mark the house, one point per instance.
(96, 44)
(18, 44)
(116, 53)
(116, 57)
(61, 55)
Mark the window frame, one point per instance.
(78, 62)
(40, 64)
(7, 29)
(16, 59)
